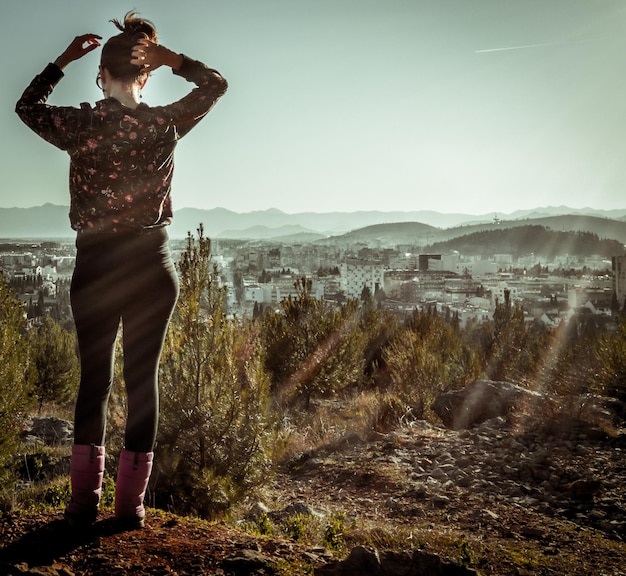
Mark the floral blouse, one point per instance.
(121, 159)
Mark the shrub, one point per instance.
(54, 363)
(15, 389)
(427, 357)
(608, 375)
(216, 430)
(312, 349)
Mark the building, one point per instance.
(619, 279)
(356, 276)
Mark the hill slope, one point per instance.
(498, 500)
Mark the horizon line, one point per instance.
(495, 213)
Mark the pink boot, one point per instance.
(86, 472)
(130, 489)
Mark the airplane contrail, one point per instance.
(523, 47)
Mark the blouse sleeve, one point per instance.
(189, 110)
(53, 123)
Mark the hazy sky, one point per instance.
(471, 106)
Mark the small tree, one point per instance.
(14, 384)
(214, 437)
(311, 349)
(608, 368)
(508, 357)
(427, 357)
(55, 369)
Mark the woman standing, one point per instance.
(121, 167)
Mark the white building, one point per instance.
(498, 290)
(277, 290)
(619, 279)
(357, 276)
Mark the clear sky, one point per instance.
(473, 106)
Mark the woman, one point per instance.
(121, 166)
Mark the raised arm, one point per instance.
(210, 85)
(53, 123)
(152, 56)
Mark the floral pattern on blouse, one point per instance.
(121, 159)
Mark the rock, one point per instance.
(298, 508)
(601, 409)
(365, 561)
(583, 489)
(348, 439)
(361, 560)
(247, 562)
(257, 510)
(482, 400)
(575, 428)
(433, 565)
(50, 430)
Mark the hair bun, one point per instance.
(136, 27)
(117, 51)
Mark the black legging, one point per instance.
(128, 277)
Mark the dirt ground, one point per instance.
(381, 506)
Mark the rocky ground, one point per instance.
(501, 498)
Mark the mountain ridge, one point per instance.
(51, 221)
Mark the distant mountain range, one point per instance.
(422, 227)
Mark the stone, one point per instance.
(50, 430)
(481, 401)
(246, 562)
(366, 561)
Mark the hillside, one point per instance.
(530, 239)
(422, 234)
(493, 500)
(604, 228)
(390, 234)
(282, 234)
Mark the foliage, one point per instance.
(514, 352)
(608, 364)
(569, 366)
(334, 532)
(215, 431)
(378, 329)
(54, 361)
(295, 527)
(427, 357)
(535, 239)
(311, 348)
(117, 408)
(15, 389)
(264, 526)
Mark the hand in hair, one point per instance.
(151, 56)
(78, 47)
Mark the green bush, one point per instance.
(15, 387)
(216, 431)
(608, 373)
(312, 349)
(427, 357)
(54, 362)
(334, 532)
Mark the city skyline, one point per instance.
(343, 106)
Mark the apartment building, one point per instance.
(355, 276)
(619, 279)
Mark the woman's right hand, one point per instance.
(78, 47)
(151, 56)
